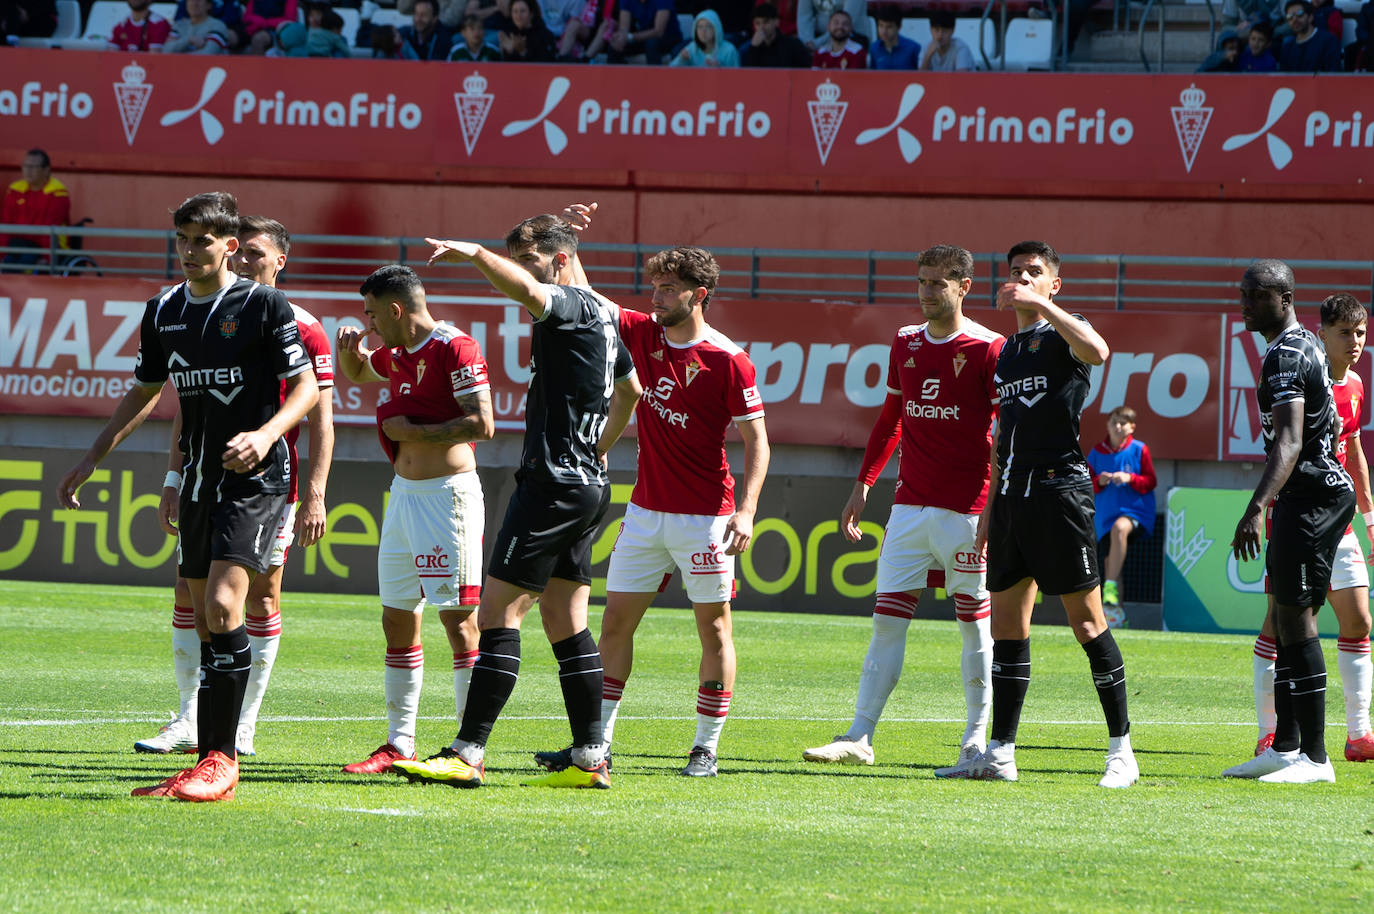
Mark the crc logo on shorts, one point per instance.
(711, 561)
(969, 562)
(434, 560)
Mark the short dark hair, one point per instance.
(888, 12)
(765, 11)
(42, 154)
(1035, 249)
(432, 4)
(331, 20)
(840, 12)
(469, 21)
(691, 265)
(274, 230)
(1307, 8)
(216, 210)
(955, 261)
(1343, 308)
(396, 282)
(547, 233)
(1264, 27)
(941, 19)
(1272, 274)
(1125, 412)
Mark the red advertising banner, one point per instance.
(889, 130)
(67, 348)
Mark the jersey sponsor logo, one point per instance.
(931, 411)
(435, 559)
(930, 389)
(959, 361)
(694, 368)
(466, 376)
(657, 397)
(657, 354)
(1020, 387)
(910, 363)
(228, 327)
(752, 397)
(420, 371)
(170, 327)
(324, 363)
(403, 389)
(915, 342)
(711, 561)
(969, 561)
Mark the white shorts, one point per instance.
(931, 547)
(1349, 569)
(286, 535)
(431, 547)
(651, 544)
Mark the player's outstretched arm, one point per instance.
(136, 405)
(478, 423)
(1278, 466)
(246, 450)
(624, 396)
(310, 520)
(506, 276)
(739, 530)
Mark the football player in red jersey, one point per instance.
(264, 245)
(941, 404)
(431, 544)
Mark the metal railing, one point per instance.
(1163, 5)
(1092, 281)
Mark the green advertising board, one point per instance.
(1205, 588)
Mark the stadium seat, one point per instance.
(684, 22)
(918, 30)
(167, 11)
(967, 29)
(1029, 44)
(388, 16)
(68, 20)
(103, 17)
(1348, 30)
(349, 15)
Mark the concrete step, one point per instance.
(1180, 46)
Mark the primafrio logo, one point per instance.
(210, 125)
(1280, 153)
(1190, 123)
(906, 141)
(474, 104)
(554, 136)
(827, 114)
(131, 95)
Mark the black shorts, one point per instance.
(548, 533)
(1304, 533)
(1047, 535)
(239, 530)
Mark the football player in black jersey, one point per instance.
(1313, 501)
(226, 344)
(1037, 526)
(582, 392)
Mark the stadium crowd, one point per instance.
(1295, 36)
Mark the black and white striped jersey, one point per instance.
(1294, 368)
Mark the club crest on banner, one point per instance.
(473, 103)
(1190, 122)
(827, 114)
(131, 95)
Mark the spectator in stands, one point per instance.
(1309, 49)
(198, 33)
(452, 12)
(37, 198)
(1258, 54)
(1245, 13)
(736, 16)
(841, 51)
(1326, 16)
(558, 13)
(1360, 54)
(324, 34)
(588, 34)
(813, 19)
(647, 27)
(230, 12)
(1124, 492)
(946, 53)
(493, 13)
(27, 19)
(425, 38)
(769, 47)
(385, 41)
(143, 30)
(473, 48)
(524, 37)
(892, 50)
(1226, 58)
(261, 19)
(709, 46)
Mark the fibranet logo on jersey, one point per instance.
(931, 411)
(656, 399)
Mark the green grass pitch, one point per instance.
(86, 670)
